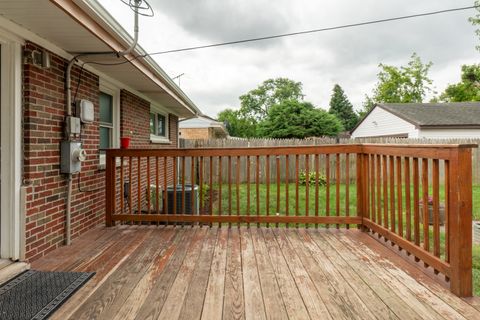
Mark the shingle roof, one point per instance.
(458, 114)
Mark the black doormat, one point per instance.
(37, 294)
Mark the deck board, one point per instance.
(166, 272)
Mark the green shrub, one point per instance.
(312, 178)
(204, 195)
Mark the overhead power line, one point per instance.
(284, 35)
(345, 26)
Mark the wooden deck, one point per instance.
(145, 272)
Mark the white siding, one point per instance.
(449, 133)
(382, 123)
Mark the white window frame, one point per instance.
(109, 88)
(154, 138)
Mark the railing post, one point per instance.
(109, 189)
(360, 188)
(460, 221)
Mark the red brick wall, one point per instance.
(44, 112)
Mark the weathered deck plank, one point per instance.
(292, 298)
(326, 261)
(254, 306)
(150, 272)
(233, 306)
(193, 303)
(213, 304)
(174, 302)
(313, 302)
(274, 306)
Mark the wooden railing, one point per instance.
(418, 198)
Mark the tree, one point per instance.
(475, 20)
(341, 107)
(237, 125)
(257, 102)
(401, 85)
(468, 89)
(296, 119)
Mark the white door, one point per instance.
(11, 214)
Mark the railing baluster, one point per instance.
(379, 188)
(148, 186)
(139, 186)
(408, 199)
(317, 177)
(175, 190)
(416, 201)
(347, 187)
(399, 196)
(122, 186)
(426, 235)
(296, 187)
(248, 189)
(110, 193)
(192, 186)
(183, 186)
(230, 188)
(238, 187)
(307, 185)
(327, 187)
(277, 159)
(447, 208)
(219, 188)
(211, 187)
(165, 186)
(337, 187)
(366, 185)
(157, 187)
(287, 176)
(385, 191)
(392, 194)
(372, 188)
(257, 185)
(436, 211)
(200, 185)
(130, 186)
(267, 181)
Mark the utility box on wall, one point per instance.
(71, 156)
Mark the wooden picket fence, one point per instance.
(258, 142)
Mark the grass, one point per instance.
(243, 207)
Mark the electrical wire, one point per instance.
(284, 35)
(345, 26)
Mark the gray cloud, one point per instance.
(225, 20)
(216, 77)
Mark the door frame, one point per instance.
(12, 219)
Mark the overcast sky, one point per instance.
(215, 78)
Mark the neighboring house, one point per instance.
(202, 127)
(37, 40)
(421, 120)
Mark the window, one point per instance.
(106, 121)
(158, 127)
(109, 118)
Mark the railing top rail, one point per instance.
(440, 151)
(420, 145)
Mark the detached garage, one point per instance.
(421, 120)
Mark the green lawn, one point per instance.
(230, 204)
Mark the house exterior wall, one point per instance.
(382, 123)
(44, 112)
(449, 133)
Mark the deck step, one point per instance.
(11, 270)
